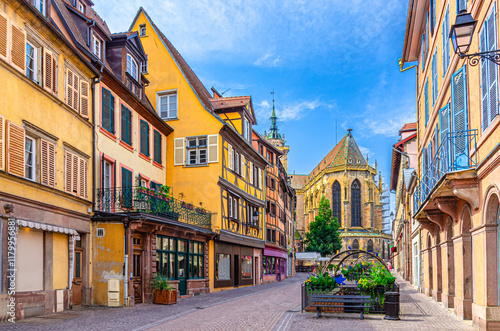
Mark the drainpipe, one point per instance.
(125, 269)
(96, 80)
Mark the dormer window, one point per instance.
(246, 129)
(96, 46)
(40, 5)
(81, 7)
(132, 68)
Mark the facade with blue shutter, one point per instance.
(456, 197)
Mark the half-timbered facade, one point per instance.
(45, 164)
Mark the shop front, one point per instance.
(274, 265)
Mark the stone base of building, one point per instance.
(29, 304)
(447, 300)
(436, 295)
(486, 318)
(463, 308)
(197, 286)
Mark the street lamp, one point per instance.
(461, 36)
(255, 217)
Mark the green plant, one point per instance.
(160, 283)
(378, 275)
(165, 189)
(323, 234)
(322, 282)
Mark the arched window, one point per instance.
(356, 203)
(132, 68)
(369, 247)
(355, 244)
(336, 202)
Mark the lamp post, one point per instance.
(461, 36)
(255, 217)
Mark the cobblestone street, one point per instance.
(273, 306)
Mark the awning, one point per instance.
(307, 256)
(48, 227)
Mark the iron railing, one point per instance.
(454, 154)
(140, 199)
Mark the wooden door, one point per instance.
(77, 279)
(137, 265)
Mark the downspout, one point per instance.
(94, 82)
(126, 224)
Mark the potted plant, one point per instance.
(164, 294)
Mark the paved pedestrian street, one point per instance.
(274, 306)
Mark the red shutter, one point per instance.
(47, 163)
(15, 149)
(84, 98)
(4, 36)
(74, 175)
(18, 45)
(48, 70)
(2, 143)
(68, 172)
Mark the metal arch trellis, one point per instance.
(349, 253)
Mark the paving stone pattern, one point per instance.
(274, 306)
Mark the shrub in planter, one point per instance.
(322, 282)
(163, 293)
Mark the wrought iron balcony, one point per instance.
(453, 155)
(140, 199)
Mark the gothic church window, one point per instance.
(356, 203)
(369, 247)
(336, 204)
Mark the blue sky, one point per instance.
(328, 61)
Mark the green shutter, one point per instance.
(126, 126)
(144, 138)
(157, 147)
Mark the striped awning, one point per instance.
(47, 227)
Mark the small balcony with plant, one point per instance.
(157, 202)
(449, 175)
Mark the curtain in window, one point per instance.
(336, 202)
(356, 203)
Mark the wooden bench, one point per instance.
(345, 301)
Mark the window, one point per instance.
(126, 129)
(40, 5)
(167, 104)
(270, 157)
(250, 211)
(108, 111)
(196, 150)
(356, 203)
(236, 162)
(144, 127)
(127, 192)
(434, 78)
(269, 265)
(142, 30)
(157, 147)
(426, 100)
(196, 260)
(168, 249)
(432, 14)
(107, 175)
(489, 71)
(369, 246)
(77, 91)
(30, 158)
(96, 47)
(246, 267)
(81, 8)
(223, 267)
(233, 204)
(446, 41)
(31, 61)
(144, 67)
(246, 129)
(336, 202)
(75, 174)
(132, 68)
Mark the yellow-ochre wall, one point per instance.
(22, 99)
(60, 261)
(108, 260)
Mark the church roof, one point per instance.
(345, 153)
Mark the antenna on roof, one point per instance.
(225, 91)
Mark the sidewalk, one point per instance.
(418, 312)
(143, 316)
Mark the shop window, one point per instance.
(269, 265)
(169, 249)
(223, 267)
(246, 267)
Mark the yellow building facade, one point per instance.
(210, 160)
(45, 165)
(456, 200)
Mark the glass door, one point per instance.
(182, 266)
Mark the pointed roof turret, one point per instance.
(273, 130)
(345, 153)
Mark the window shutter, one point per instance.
(18, 47)
(55, 70)
(47, 163)
(74, 175)
(69, 87)
(444, 122)
(243, 169)
(68, 172)
(76, 99)
(82, 180)
(426, 100)
(446, 40)
(2, 143)
(434, 78)
(84, 98)
(459, 118)
(179, 154)
(484, 80)
(15, 149)
(230, 156)
(492, 68)
(250, 172)
(260, 178)
(4, 36)
(48, 70)
(213, 148)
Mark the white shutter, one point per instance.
(230, 205)
(492, 68)
(230, 156)
(250, 172)
(179, 154)
(243, 168)
(213, 148)
(2, 142)
(260, 178)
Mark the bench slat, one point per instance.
(339, 306)
(334, 301)
(342, 296)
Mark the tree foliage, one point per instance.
(323, 234)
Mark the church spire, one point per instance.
(273, 130)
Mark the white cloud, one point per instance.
(365, 151)
(268, 60)
(297, 111)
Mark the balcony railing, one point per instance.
(454, 154)
(140, 199)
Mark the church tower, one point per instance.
(276, 139)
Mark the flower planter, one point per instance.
(165, 297)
